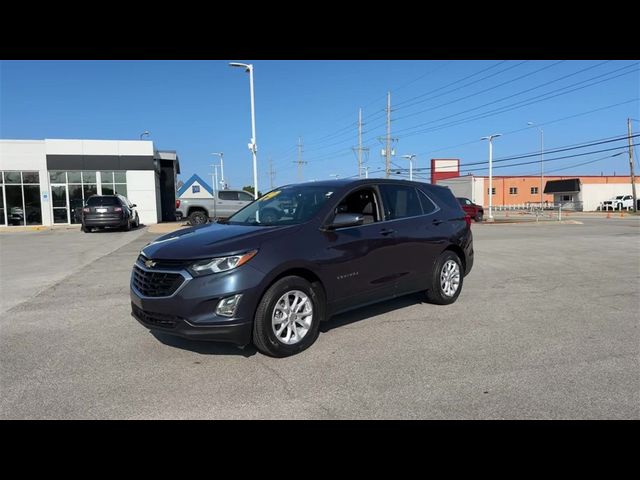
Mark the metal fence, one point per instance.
(535, 211)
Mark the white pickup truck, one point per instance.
(201, 210)
(618, 203)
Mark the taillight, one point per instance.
(86, 210)
(177, 203)
(117, 209)
(467, 218)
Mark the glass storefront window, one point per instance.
(107, 189)
(58, 177)
(89, 190)
(75, 203)
(74, 177)
(30, 177)
(12, 177)
(20, 199)
(106, 177)
(88, 177)
(120, 177)
(121, 189)
(15, 215)
(2, 220)
(32, 209)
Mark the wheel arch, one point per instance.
(302, 272)
(458, 251)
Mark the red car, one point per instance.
(474, 211)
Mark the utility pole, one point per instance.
(360, 148)
(300, 162)
(633, 179)
(272, 174)
(388, 149)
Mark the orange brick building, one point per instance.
(525, 189)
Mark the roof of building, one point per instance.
(194, 178)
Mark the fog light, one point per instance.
(227, 306)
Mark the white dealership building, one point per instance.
(46, 182)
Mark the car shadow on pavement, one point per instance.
(364, 313)
(204, 347)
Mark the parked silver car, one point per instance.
(201, 210)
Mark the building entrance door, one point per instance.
(60, 204)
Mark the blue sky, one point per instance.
(441, 109)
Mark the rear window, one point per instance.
(225, 195)
(103, 202)
(444, 196)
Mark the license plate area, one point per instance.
(101, 210)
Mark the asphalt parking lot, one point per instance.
(547, 327)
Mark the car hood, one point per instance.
(207, 241)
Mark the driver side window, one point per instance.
(362, 202)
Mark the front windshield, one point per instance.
(284, 206)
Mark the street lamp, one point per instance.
(410, 158)
(221, 155)
(541, 160)
(490, 138)
(146, 132)
(252, 145)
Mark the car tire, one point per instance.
(198, 218)
(127, 227)
(137, 222)
(479, 216)
(266, 326)
(86, 229)
(444, 269)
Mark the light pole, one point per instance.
(252, 145)
(146, 132)
(490, 138)
(410, 158)
(541, 162)
(221, 155)
(214, 179)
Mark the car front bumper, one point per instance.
(190, 310)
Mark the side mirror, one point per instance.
(343, 220)
(133, 205)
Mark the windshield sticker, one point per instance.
(269, 195)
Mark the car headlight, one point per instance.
(220, 264)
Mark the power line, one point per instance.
(504, 108)
(514, 106)
(525, 91)
(551, 151)
(493, 88)
(399, 105)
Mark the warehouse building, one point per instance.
(584, 192)
(47, 182)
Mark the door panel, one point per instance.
(419, 230)
(358, 264)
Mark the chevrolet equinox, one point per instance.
(270, 273)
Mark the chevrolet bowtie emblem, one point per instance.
(149, 264)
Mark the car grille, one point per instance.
(165, 264)
(156, 284)
(154, 319)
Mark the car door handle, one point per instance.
(387, 231)
(437, 222)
